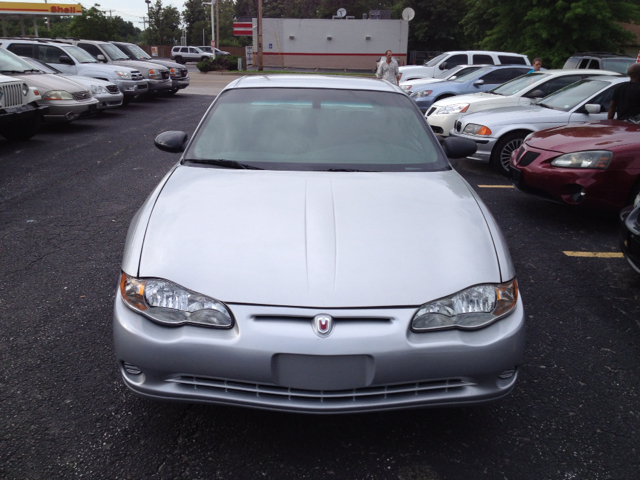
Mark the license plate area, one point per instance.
(322, 372)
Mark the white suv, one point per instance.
(20, 116)
(189, 54)
(448, 60)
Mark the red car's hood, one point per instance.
(603, 135)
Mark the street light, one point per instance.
(213, 35)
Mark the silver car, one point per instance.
(331, 262)
(500, 131)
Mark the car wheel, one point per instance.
(127, 100)
(634, 195)
(501, 155)
(179, 60)
(23, 130)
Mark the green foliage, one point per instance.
(228, 62)
(93, 24)
(551, 29)
(164, 25)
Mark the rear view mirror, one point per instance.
(64, 59)
(459, 147)
(593, 108)
(172, 141)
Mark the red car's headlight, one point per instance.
(599, 159)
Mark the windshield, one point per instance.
(465, 77)
(114, 52)
(43, 67)
(619, 65)
(568, 97)
(139, 53)
(434, 61)
(514, 86)
(460, 72)
(317, 129)
(12, 63)
(81, 55)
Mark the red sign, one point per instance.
(242, 28)
(638, 59)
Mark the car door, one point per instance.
(482, 59)
(93, 50)
(193, 54)
(580, 115)
(50, 54)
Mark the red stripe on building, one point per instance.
(334, 54)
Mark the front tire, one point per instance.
(179, 60)
(501, 155)
(23, 130)
(634, 195)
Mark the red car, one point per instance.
(591, 164)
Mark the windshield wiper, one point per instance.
(13, 71)
(224, 163)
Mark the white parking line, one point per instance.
(595, 254)
(496, 186)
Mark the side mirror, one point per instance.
(453, 77)
(536, 94)
(64, 59)
(102, 58)
(172, 141)
(477, 83)
(443, 66)
(592, 108)
(459, 147)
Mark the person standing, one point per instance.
(626, 96)
(537, 65)
(388, 69)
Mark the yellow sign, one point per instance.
(22, 8)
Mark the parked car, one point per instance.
(593, 165)
(525, 90)
(498, 132)
(473, 82)
(210, 50)
(156, 75)
(67, 100)
(189, 54)
(179, 74)
(600, 60)
(106, 93)
(451, 74)
(448, 60)
(72, 60)
(630, 234)
(363, 267)
(20, 115)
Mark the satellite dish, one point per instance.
(408, 14)
(342, 12)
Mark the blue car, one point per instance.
(474, 82)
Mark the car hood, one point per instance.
(533, 114)
(318, 239)
(139, 65)
(606, 134)
(165, 63)
(470, 98)
(47, 81)
(112, 67)
(88, 81)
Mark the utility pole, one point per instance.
(260, 35)
(213, 30)
(144, 23)
(217, 24)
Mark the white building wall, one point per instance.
(339, 44)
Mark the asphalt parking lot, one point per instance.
(66, 199)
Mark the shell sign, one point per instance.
(22, 8)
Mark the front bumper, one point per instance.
(66, 111)
(163, 85)
(532, 173)
(272, 359)
(133, 88)
(12, 115)
(108, 100)
(180, 82)
(442, 124)
(485, 145)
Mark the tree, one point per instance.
(164, 25)
(195, 20)
(93, 24)
(436, 25)
(551, 29)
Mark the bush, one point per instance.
(232, 62)
(229, 62)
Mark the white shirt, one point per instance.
(388, 71)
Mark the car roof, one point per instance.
(313, 81)
(600, 55)
(578, 71)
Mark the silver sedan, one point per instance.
(331, 261)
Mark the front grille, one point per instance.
(165, 75)
(458, 126)
(264, 392)
(184, 72)
(136, 75)
(12, 95)
(527, 158)
(303, 318)
(81, 95)
(142, 86)
(113, 89)
(437, 129)
(431, 110)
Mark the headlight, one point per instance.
(170, 304)
(421, 93)
(405, 87)
(57, 95)
(457, 108)
(172, 72)
(473, 308)
(125, 75)
(594, 159)
(154, 74)
(25, 89)
(98, 89)
(475, 129)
